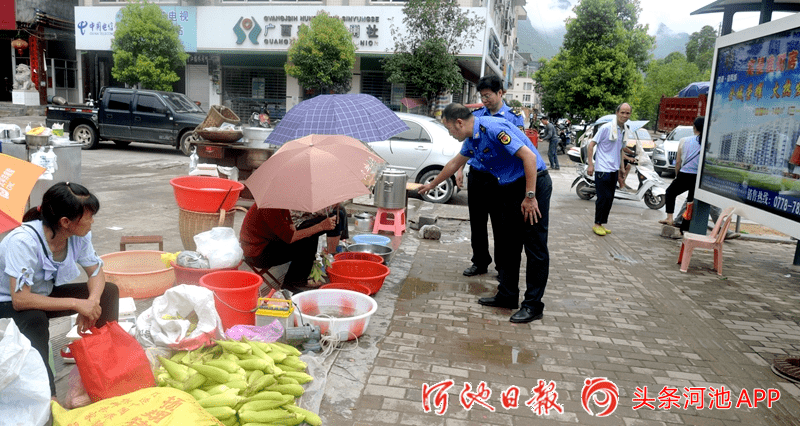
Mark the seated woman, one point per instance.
(272, 237)
(39, 260)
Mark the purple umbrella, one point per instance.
(361, 116)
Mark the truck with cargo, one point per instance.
(679, 111)
(131, 115)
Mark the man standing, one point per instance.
(481, 183)
(551, 137)
(609, 142)
(523, 198)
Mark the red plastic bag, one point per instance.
(111, 362)
(687, 215)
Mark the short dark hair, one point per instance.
(454, 111)
(64, 199)
(492, 82)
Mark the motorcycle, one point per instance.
(260, 117)
(652, 190)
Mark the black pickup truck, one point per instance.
(131, 115)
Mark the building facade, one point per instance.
(238, 48)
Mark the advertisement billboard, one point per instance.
(752, 138)
(94, 26)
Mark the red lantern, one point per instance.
(20, 45)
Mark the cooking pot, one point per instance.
(390, 189)
(364, 222)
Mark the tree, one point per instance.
(514, 103)
(599, 65)
(323, 55)
(700, 48)
(665, 77)
(146, 48)
(433, 33)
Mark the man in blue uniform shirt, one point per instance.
(482, 184)
(523, 197)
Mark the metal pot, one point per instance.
(382, 251)
(390, 189)
(364, 222)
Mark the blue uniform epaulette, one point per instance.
(516, 112)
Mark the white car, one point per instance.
(421, 152)
(667, 149)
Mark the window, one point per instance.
(119, 101)
(148, 103)
(65, 74)
(414, 133)
(526, 98)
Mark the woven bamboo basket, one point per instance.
(217, 115)
(192, 223)
(220, 135)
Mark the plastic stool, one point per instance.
(396, 222)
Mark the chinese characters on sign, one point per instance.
(288, 26)
(598, 391)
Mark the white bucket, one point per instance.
(340, 313)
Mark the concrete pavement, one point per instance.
(616, 307)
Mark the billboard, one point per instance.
(751, 146)
(94, 26)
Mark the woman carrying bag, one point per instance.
(40, 259)
(686, 176)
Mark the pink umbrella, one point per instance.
(314, 172)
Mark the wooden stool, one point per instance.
(384, 222)
(141, 239)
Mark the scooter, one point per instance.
(260, 117)
(652, 190)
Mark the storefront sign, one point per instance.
(95, 26)
(753, 128)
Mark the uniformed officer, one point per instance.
(482, 184)
(523, 196)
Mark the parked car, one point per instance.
(648, 144)
(131, 115)
(421, 152)
(667, 150)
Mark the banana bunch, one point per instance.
(243, 383)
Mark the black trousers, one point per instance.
(518, 235)
(300, 253)
(606, 184)
(683, 182)
(35, 325)
(482, 205)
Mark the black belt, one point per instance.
(541, 173)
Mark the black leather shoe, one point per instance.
(525, 315)
(497, 303)
(474, 270)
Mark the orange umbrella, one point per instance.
(314, 172)
(17, 178)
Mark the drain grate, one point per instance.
(787, 367)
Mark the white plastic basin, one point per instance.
(343, 314)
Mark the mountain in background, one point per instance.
(546, 44)
(668, 41)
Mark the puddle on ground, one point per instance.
(413, 288)
(495, 352)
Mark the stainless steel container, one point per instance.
(390, 189)
(382, 251)
(364, 222)
(37, 140)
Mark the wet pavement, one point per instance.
(617, 307)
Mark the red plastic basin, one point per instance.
(205, 194)
(364, 272)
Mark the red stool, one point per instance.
(390, 220)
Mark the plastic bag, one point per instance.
(192, 259)
(220, 246)
(76, 395)
(262, 333)
(162, 406)
(24, 386)
(46, 158)
(183, 318)
(111, 362)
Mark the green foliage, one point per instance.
(322, 58)
(665, 77)
(146, 48)
(515, 103)
(415, 68)
(700, 48)
(433, 33)
(599, 65)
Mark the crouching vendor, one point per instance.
(272, 237)
(39, 260)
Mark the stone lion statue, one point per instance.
(22, 79)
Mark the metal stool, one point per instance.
(269, 279)
(390, 220)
